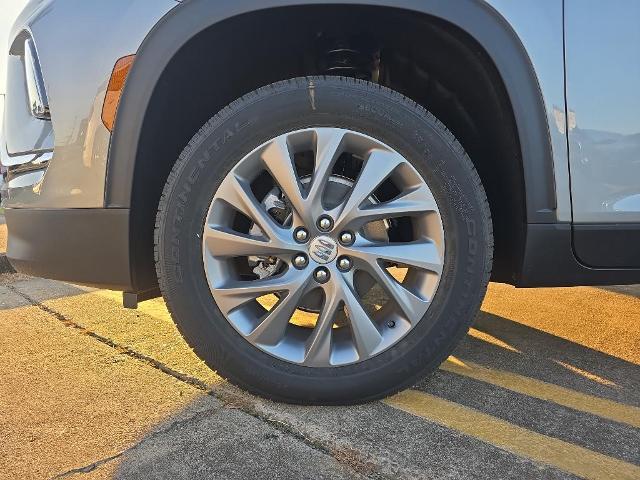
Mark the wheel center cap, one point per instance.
(323, 249)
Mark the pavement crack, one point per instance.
(361, 464)
(345, 456)
(230, 397)
(148, 437)
(89, 468)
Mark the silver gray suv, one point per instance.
(321, 190)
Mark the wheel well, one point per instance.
(430, 61)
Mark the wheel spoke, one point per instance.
(277, 159)
(412, 202)
(376, 169)
(318, 347)
(421, 254)
(365, 334)
(271, 330)
(232, 294)
(224, 242)
(329, 144)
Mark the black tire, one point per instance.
(338, 102)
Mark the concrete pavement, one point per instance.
(3, 234)
(5, 266)
(546, 385)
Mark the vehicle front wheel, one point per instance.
(323, 240)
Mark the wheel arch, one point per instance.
(475, 18)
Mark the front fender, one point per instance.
(476, 17)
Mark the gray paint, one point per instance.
(538, 24)
(76, 58)
(23, 131)
(475, 17)
(603, 95)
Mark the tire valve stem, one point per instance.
(391, 324)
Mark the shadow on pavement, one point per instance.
(630, 290)
(32, 291)
(552, 359)
(210, 438)
(388, 442)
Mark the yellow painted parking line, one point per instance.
(546, 391)
(520, 441)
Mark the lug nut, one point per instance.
(325, 223)
(321, 275)
(344, 264)
(346, 238)
(300, 260)
(301, 235)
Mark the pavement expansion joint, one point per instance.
(362, 464)
(194, 382)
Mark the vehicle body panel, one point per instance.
(85, 167)
(538, 25)
(75, 175)
(603, 96)
(23, 132)
(476, 17)
(76, 59)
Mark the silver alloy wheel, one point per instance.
(349, 326)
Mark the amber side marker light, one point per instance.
(114, 90)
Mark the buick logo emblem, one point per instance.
(323, 249)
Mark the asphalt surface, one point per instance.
(546, 385)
